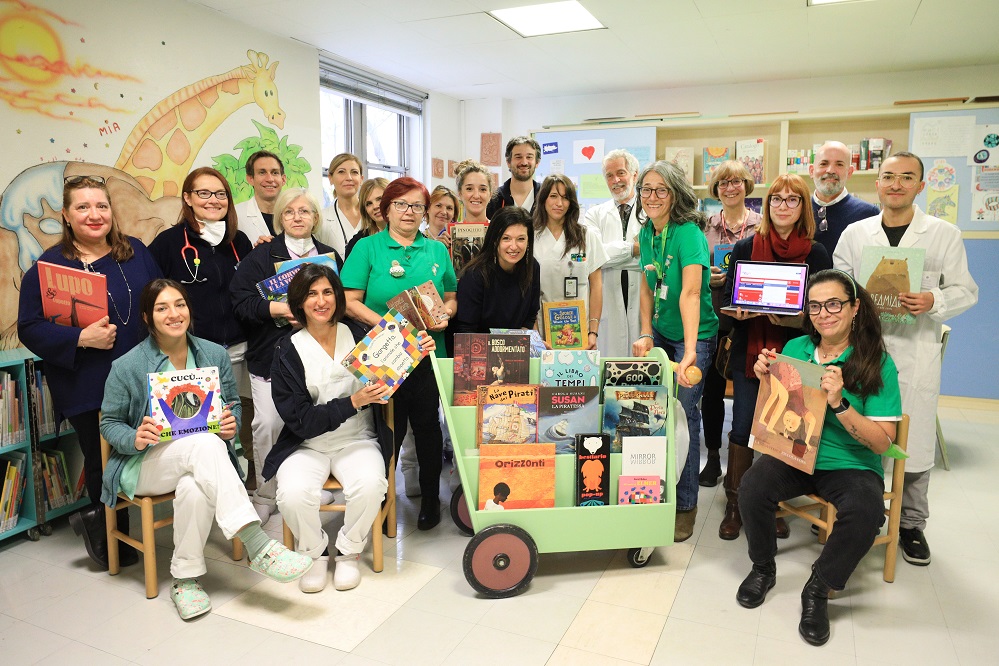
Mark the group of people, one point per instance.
(643, 264)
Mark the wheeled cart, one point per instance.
(502, 556)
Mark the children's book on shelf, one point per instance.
(466, 242)
(632, 373)
(71, 297)
(713, 157)
(14, 465)
(593, 469)
(470, 351)
(683, 157)
(508, 359)
(879, 150)
(631, 411)
(790, 411)
(752, 153)
(886, 272)
(387, 353)
(644, 456)
(420, 305)
(570, 367)
(638, 490)
(185, 402)
(516, 476)
(507, 413)
(722, 257)
(328, 259)
(537, 342)
(709, 206)
(12, 429)
(565, 324)
(565, 411)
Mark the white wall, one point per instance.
(442, 124)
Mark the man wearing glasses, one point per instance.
(947, 290)
(835, 208)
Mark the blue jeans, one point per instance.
(744, 391)
(686, 486)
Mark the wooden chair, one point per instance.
(826, 517)
(386, 515)
(941, 442)
(147, 546)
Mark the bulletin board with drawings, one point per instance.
(960, 150)
(579, 154)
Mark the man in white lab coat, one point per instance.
(947, 290)
(618, 224)
(265, 174)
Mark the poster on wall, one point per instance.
(985, 146)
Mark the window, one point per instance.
(379, 121)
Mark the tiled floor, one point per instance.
(582, 608)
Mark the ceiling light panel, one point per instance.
(547, 19)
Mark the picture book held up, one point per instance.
(185, 402)
(387, 354)
(71, 297)
(887, 272)
(565, 324)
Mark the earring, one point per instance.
(853, 323)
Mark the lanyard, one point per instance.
(661, 263)
(742, 230)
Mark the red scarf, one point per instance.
(771, 247)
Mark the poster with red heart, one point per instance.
(588, 151)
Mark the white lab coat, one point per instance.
(336, 229)
(915, 348)
(251, 221)
(618, 327)
(555, 268)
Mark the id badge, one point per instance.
(570, 287)
(663, 291)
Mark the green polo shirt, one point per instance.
(367, 269)
(837, 448)
(685, 244)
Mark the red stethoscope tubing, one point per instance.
(197, 260)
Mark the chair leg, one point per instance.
(237, 549)
(149, 547)
(289, 538)
(111, 525)
(377, 547)
(942, 444)
(390, 502)
(830, 518)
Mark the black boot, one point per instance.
(760, 580)
(430, 512)
(712, 470)
(127, 556)
(814, 625)
(89, 523)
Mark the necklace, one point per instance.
(729, 233)
(831, 354)
(89, 267)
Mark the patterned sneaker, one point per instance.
(346, 575)
(915, 550)
(280, 564)
(190, 598)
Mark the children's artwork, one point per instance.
(943, 203)
(71, 297)
(570, 367)
(985, 146)
(566, 411)
(984, 193)
(592, 469)
(516, 476)
(790, 410)
(631, 411)
(387, 354)
(941, 176)
(587, 151)
(507, 414)
(886, 272)
(565, 324)
(185, 402)
(638, 490)
(489, 148)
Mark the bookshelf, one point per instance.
(18, 507)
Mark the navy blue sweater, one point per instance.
(839, 217)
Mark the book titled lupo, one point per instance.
(185, 402)
(387, 354)
(71, 297)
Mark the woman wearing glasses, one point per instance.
(342, 220)
(730, 184)
(570, 254)
(676, 313)
(443, 211)
(785, 235)
(842, 333)
(372, 220)
(78, 358)
(296, 218)
(379, 268)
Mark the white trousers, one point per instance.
(198, 469)
(266, 427)
(358, 467)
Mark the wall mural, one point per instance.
(45, 82)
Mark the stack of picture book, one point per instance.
(59, 491)
(13, 465)
(421, 305)
(482, 359)
(11, 410)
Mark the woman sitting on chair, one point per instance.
(328, 429)
(201, 468)
(861, 384)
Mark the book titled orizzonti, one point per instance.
(387, 354)
(185, 402)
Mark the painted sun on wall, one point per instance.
(47, 81)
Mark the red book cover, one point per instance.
(470, 351)
(71, 297)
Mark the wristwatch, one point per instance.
(844, 405)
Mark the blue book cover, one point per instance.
(327, 259)
(570, 367)
(634, 411)
(723, 256)
(566, 411)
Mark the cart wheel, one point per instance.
(639, 557)
(46, 529)
(500, 561)
(459, 512)
(34, 534)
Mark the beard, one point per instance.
(516, 175)
(829, 187)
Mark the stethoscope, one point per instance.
(197, 260)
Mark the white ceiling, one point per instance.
(453, 47)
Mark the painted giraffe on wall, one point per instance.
(162, 148)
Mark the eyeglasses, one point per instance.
(291, 214)
(73, 180)
(402, 207)
(790, 202)
(906, 180)
(221, 195)
(731, 182)
(832, 306)
(823, 222)
(661, 192)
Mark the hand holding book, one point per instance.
(147, 434)
(227, 424)
(99, 335)
(378, 392)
